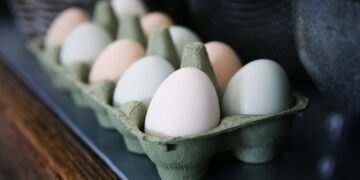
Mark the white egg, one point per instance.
(123, 7)
(185, 104)
(182, 36)
(260, 87)
(84, 44)
(141, 80)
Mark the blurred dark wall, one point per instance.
(177, 9)
(3, 5)
(255, 29)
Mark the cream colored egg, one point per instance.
(155, 19)
(141, 80)
(123, 7)
(84, 44)
(115, 60)
(185, 104)
(224, 61)
(63, 24)
(259, 87)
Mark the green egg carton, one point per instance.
(61, 77)
(46, 60)
(104, 16)
(160, 44)
(95, 96)
(73, 78)
(251, 138)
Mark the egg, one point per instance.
(140, 81)
(63, 24)
(115, 60)
(182, 36)
(84, 44)
(260, 87)
(224, 61)
(155, 19)
(185, 104)
(123, 7)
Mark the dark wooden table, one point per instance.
(34, 144)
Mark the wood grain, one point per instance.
(34, 144)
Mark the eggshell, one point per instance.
(153, 20)
(182, 36)
(115, 59)
(260, 87)
(224, 61)
(185, 104)
(84, 44)
(63, 24)
(140, 81)
(123, 7)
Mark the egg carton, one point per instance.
(251, 138)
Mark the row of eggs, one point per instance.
(180, 102)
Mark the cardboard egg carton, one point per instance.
(251, 138)
(180, 157)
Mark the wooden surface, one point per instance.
(34, 144)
